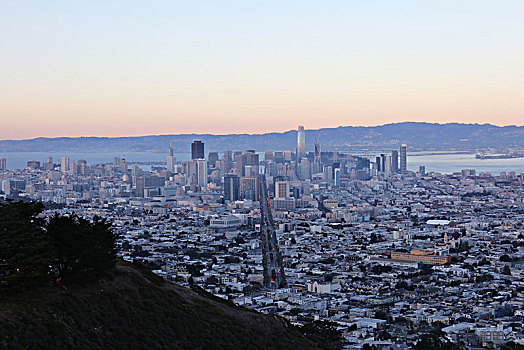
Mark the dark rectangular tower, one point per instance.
(197, 150)
(231, 187)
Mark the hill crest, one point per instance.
(137, 309)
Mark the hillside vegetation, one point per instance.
(61, 287)
(135, 309)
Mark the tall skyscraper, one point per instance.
(197, 150)
(170, 160)
(212, 159)
(304, 168)
(171, 149)
(249, 187)
(238, 163)
(201, 172)
(317, 151)
(82, 166)
(337, 177)
(250, 158)
(49, 165)
(226, 162)
(116, 162)
(64, 164)
(385, 163)
(301, 142)
(231, 187)
(123, 165)
(3, 164)
(73, 167)
(394, 161)
(317, 165)
(403, 158)
(328, 173)
(282, 189)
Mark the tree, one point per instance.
(31, 250)
(81, 248)
(435, 340)
(212, 280)
(24, 248)
(505, 258)
(329, 277)
(353, 327)
(401, 285)
(369, 347)
(384, 335)
(324, 333)
(381, 314)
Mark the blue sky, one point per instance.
(135, 67)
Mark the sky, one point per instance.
(122, 68)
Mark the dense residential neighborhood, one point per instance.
(386, 256)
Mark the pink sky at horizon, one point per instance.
(166, 131)
(124, 68)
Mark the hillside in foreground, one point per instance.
(135, 309)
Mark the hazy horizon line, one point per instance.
(261, 133)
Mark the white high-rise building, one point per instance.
(73, 167)
(328, 173)
(301, 142)
(201, 172)
(64, 164)
(6, 187)
(282, 189)
(3, 164)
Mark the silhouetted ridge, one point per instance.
(422, 136)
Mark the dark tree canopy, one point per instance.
(324, 333)
(81, 248)
(33, 250)
(24, 249)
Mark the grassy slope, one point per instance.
(136, 309)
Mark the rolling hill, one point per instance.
(419, 136)
(136, 309)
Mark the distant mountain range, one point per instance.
(418, 136)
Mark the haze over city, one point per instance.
(125, 68)
(262, 175)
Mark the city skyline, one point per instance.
(301, 174)
(89, 70)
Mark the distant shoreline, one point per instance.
(498, 156)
